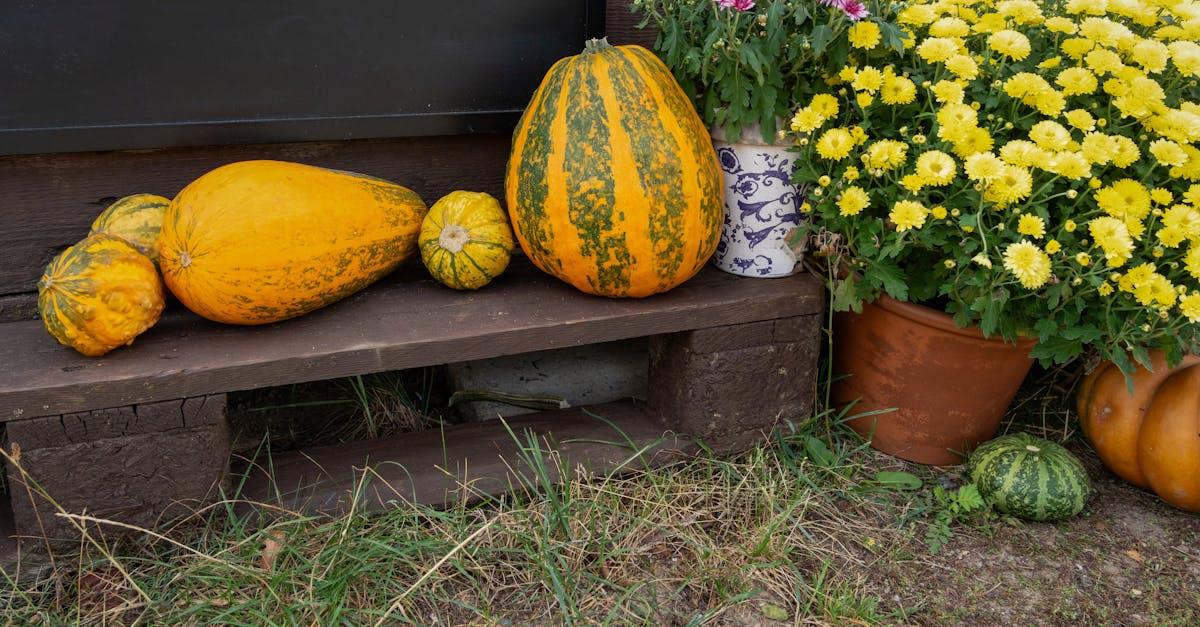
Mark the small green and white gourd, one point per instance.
(1030, 477)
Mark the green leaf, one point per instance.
(968, 498)
(1056, 350)
(898, 480)
(845, 296)
(819, 452)
(821, 36)
(889, 276)
(774, 612)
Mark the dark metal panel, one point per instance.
(116, 74)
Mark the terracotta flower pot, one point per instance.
(949, 386)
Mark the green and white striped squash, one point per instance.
(613, 184)
(1030, 477)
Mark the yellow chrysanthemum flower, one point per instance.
(1151, 55)
(850, 173)
(1113, 238)
(1028, 263)
(908, 214)
(1083, 259)
(825, 105)
(939, 212)
(1186, 57)
(864, 34)
(897, 90)
(885, 154)
(1013, 185)
(1053, 246)
(1189, 306)
(963, 66)
(1023, 153)
(1179, 223)
(867, 79)
(1058, 24)
(1081, 119)
(806, 121)
(1127, 151)
(1098, 148)
(1103, 61)
(852, 201)
(938, 49)
(936, 168)
(1031, 225)
(1050, 135)
(1161, 196)
(972, 141)
(1191, 261)
(1168, 152)
(983, 166)
(835, 144)
(1076, 48)
(1010, 43)
(949, 26)
(948, 92)
(1076, 81)
(1068, 164)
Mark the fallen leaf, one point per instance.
(1134, 555)
(271, 547)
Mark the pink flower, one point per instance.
(740, 5)
(854, 9)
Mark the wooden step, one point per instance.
(463, 462)
(405, 321)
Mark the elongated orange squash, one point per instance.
(99, 294)
(136, 219)
(257, 242)
(613, 184)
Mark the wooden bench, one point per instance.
(141, 433)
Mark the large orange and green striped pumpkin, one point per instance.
(257, 242)
(99, 294)
(465, 240)
(136, 219)
(613, 184)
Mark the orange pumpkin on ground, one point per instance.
(1150, 438)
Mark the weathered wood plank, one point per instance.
(621, 26)
(396, 324)
(465, 461)
(48, 202)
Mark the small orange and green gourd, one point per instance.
(466, 240)
(613, 184)
(137, 219)
(99, 294)
(257, 242)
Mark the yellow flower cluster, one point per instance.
(1019, 122)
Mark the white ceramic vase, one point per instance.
(762, 207)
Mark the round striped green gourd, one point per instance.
(137, 219)
(1030, 477)
(613, 184)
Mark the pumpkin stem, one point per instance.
(185, 259)
(1032, 449)
(596, 45)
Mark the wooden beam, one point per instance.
(462, 462)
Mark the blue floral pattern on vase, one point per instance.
(762, 208)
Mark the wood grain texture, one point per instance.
(402, 322)
(463, 462)
(621, 26)
(48, 202)
(135, 465)
(16, 307)
(731, 395)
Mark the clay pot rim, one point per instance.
(940, 320)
